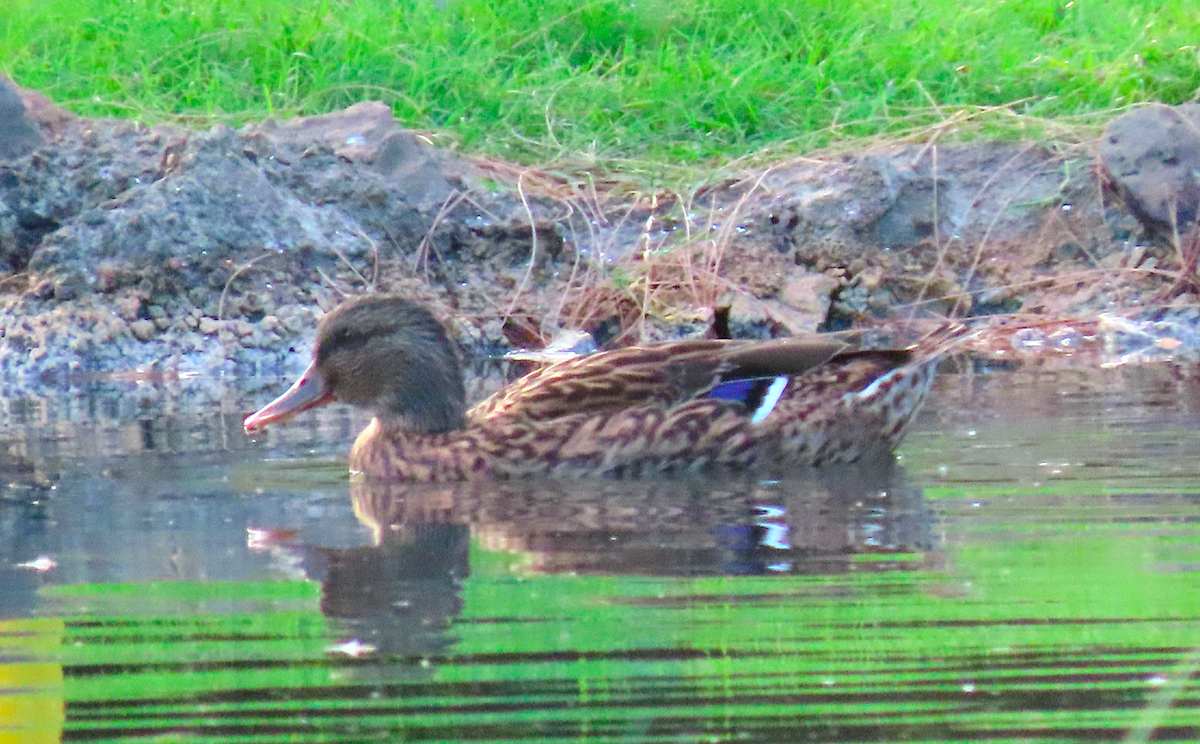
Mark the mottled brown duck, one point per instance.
(676, 407)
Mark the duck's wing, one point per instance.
(659, 373)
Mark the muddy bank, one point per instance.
(125, 247)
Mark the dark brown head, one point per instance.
(384, 353)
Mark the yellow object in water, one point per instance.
(31, 681)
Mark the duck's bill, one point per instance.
(310, 391)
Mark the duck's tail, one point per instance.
(893, 398)
(945, 339)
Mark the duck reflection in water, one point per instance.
(402, 593)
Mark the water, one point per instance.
(1029, 571)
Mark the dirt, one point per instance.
(126, 248)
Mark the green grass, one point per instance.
(669, 81)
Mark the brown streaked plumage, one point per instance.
(682, 406)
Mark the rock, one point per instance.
(1152, 155)
(128, 307)
(355, 133)
(143, 330)
(367, 133)
(747, 312)
(18, 136)
(883, 199)
(809, 293)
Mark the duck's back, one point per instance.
(670, 408)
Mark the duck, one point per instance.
(657, 409)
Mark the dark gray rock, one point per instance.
(18, 135)
(1152, 155)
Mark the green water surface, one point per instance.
(1030, 572)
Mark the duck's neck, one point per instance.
(390, 451)
(423, 409)
(403, 428)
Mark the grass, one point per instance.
(600, 81)
(632, 99)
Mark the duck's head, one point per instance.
(383, 353)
